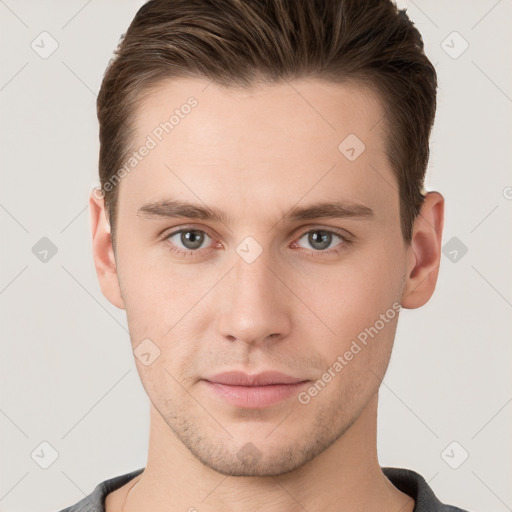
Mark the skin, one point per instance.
(256, 154)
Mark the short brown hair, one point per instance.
(240, 43)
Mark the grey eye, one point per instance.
(320, 239)
(190, 239)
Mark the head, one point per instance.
(288, 141)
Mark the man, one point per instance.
(262, 220)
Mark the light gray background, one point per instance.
(68, 374)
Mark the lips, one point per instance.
(267, 378)
(255, 391)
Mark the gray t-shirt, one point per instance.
(408, 481)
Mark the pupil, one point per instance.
(325, 239)
(192, 239)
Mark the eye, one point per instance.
(187, 240)
(190, 242)
(321, 239)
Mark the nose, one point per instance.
(254, 303)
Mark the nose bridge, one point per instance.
(252, 304)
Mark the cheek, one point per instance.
(156, 292)
(168, 305)
(355, 294)
(360, 304)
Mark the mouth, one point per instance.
(255, 391)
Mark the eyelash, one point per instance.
(345, 242)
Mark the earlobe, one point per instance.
(424, 253)
(103, 253)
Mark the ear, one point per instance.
(424, 253)
(102, 250)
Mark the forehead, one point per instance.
(271, 143)
(308, 109)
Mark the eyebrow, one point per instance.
(175, 208)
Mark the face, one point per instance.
(277, 280)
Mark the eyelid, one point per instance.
(347, 238)
(343, 233)
(177, 229)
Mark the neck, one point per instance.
(344, 477)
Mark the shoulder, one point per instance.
(413, 484)
(95, 502)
